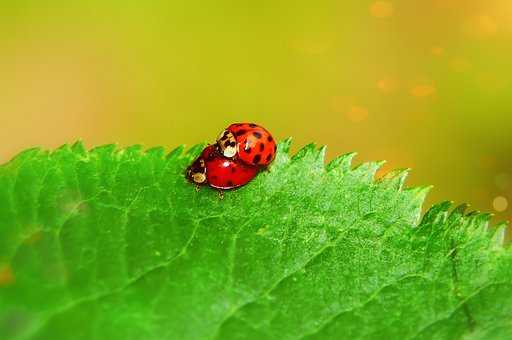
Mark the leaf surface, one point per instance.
(116, 244)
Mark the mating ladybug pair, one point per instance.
(241, 151)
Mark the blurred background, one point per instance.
(422, 84)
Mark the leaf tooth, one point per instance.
(63, 147)
(134, 148)
(366, 171)
(305, 151)
(283, 153)
(176, 152)
(284, 145)
(419, 194)
(498, 234)
(321, 154)
(28, 153)
(157, 151)
(79, 148)
(472, 214)
(131, 150)
(436, 213)
(104, 149)
(342, 163)
(480, 221)
(457, 214)
(395, 179)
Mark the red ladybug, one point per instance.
(213, 169)
(249, 143)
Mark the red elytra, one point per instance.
(250, 143)
(213, 169)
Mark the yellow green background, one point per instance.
(422, 84)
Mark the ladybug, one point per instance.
(213, 169)
(250, 143)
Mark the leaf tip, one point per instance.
(342, 163)
(498, 234)
(78, 147)
(322, 152)
(306, 150)
(176, 152)
(395, 179)
(421, 192)
(284, 145)
(436, 213)
(106, 148)
(157, 151)
(456, 215)
(367, 170)
(24, 155)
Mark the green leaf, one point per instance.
(116, 244)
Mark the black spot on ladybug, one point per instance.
(257, 134)
(241, 132)
(229, 183)
(210, 156)
(269, 157)
(270, 139)
(214, 177)
(253, 125)
(256, 159)
(233, 170)
(262, 147)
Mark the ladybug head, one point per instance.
(196, 173)
(227, 144)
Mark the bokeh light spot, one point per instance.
(481, 26)
(423, 90)
(386, 85)
(437, 51)
(357, 113)
(382, 9)
(500, 204)
(486, 24)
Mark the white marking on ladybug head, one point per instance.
(227, 144)
(198, 177)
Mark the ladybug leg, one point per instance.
(198, 188)
(221, 194)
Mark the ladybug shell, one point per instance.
(255, 145)
(224, 173)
